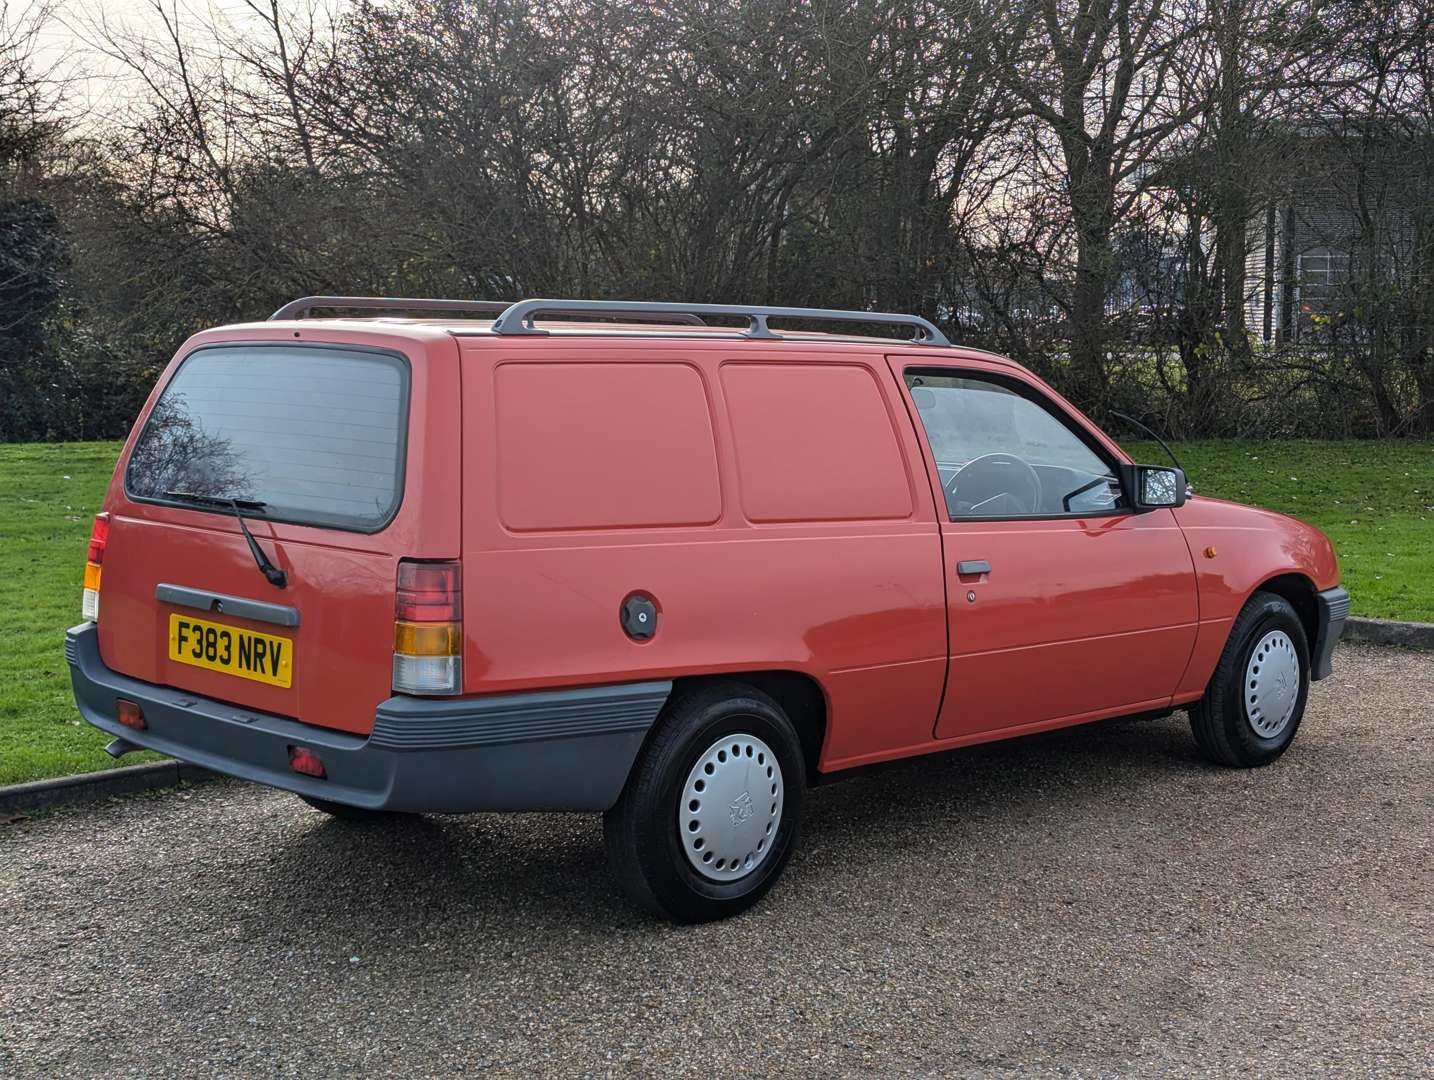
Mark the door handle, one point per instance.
(973, 566)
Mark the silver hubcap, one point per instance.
(731, 808)
(1272, 684)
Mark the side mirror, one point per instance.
(1151, 487)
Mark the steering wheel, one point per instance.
(991, 476)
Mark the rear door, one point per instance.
(1062, 603)
(322, 444)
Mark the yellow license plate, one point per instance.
(261, 657)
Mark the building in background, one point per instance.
(1355, 200)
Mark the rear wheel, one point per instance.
(349, 813)
(1256, 698)
(711, 811)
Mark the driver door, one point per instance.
(1062, 604)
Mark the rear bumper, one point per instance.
(549, 750)
(1332, 609)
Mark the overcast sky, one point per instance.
(64, 38)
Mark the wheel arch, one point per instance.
(801, 697)
(1224, 729)
(1300, 590)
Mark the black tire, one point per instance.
(350, 813)
(1221, 720)
(641, 831)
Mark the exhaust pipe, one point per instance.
(120, 747)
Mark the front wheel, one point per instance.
(711, 811)
(1256, 698)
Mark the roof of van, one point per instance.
(562, 329)
(573, 319)
(595, 319)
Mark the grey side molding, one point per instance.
(412, 723)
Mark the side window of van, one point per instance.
(1001, 454)
(814, 442)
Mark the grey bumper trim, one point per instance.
(1332, 610)
(550, 750)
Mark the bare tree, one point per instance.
(1371, 138)
(1079, 183)
(31, 95)
(1110, 80)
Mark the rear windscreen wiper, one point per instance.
(276, 577)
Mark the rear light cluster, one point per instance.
(99, 537)
(428, 628)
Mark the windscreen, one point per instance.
(315, 433)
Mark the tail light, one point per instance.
(99, 537)
(428, 628)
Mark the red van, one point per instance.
(668, 562)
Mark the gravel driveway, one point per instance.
(1095, 902)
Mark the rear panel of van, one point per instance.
(350, 438)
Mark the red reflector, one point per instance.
(306, 761)
(99, 537)
(428, 592)
(129, 714)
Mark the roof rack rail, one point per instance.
(518, 318)
(300, 309)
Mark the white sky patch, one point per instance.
(70, 45)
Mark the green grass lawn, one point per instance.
(1375, 500)
(49, 495)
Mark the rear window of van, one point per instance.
(315, 433)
